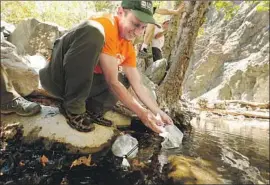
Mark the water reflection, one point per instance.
(237, 149)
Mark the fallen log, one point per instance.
(250, 114)
(250, 104)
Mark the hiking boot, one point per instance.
(79, 122)
(98, 117)
(21, 107)
(143, 54)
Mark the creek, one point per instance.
(234, 151)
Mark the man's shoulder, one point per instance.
(105, 19)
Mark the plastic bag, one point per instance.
(172, 137)
(123, 145)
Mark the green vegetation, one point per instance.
(69, 13)
(263, 6)
(63, 13)
(228, 7)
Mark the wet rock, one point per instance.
(120, 120)
(187, 170)
(52, 127)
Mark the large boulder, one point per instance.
(231, 59)
(7, 28)
(32, 36)
(247, 79)
(24, 78)
(157, 70)
(52, 127)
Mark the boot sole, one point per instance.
(74, 126)
(36, 110)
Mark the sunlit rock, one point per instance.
(231, 58)
(157, 71)
(52, 127)
(23, 77)
(32, 36)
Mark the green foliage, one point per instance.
(200, 32)
(15, 11)
(263, 6)
(103, 6)
(228, 7)
(161, 4)
(63, 13)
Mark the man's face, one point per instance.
(165, 25)
(129, 26)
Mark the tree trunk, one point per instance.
(170, 36)
(170, 90)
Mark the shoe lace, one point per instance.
(79, 117)
(21, 101)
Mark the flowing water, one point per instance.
(238, 150)
(233, 151)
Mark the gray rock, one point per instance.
(7, 28)
(150, 85)
(32, 36)
(24, 78)
(52, 127)
(157, 70)
(231, 59)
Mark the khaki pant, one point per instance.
(8, 93)
(70, 73)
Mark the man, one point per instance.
(150, 34)
(85, 68)
(12, 102)
(158, 40)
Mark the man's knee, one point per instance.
(95, 31)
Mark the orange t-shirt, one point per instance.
(114, 45)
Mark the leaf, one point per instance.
(82, 160)
(136, 164)
(44, 160)
(21, 163)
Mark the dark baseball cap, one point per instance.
(143, 10)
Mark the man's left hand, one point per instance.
(165, 118)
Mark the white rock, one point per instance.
(52, 126)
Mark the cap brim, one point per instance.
(144, 17)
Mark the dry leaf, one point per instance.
(136, 164)
(44, 160)
(21, 163)
(82, 160)
(64, 181)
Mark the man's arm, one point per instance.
(148, 36)
(149, 33)
(178, 11)
(160, 34)
(110, 70)
(143, 93)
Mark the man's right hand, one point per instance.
(151, 121)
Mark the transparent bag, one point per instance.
(125, 146)
(172, 137)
